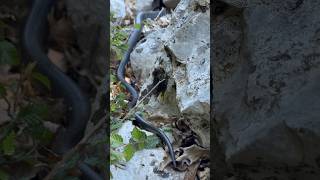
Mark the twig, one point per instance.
(162, 9)
(11, 115)
(9, 107)
(154, 87)
(17, 94)
(71, 152)
(141, 100)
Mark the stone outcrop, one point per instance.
(179, 53)
(266, 82)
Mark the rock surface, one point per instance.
(144, 163)
(181, 52)
(171, 3)
(144, 5)
(266, 82)
(118, 7)
(88, 20)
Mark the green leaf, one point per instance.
(33, 116)
(116, 140)
(128, 152)
(8, 144)
(40, 110)
(113, 107)
(3, 91)
(113, 78)
(44, 135)
(152, 142)
(120, 100)
(116, 125)
(121, 97)
(37, 130)
(8, 53)
(115, 157)
(137, 26)
(140, 145)
(3, 175)
(42, 79)
(166, 129)
(30, 67)
(138, 135)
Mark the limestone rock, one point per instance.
(89, 22)
(266, 82)
(118, 7)
(171, 3)
(182, 51)
(144, 5)
(144, 163)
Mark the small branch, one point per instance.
(9, 107)
(17, 94)
(71, 152)
(154, 87)
(141, 100)
(162, 9)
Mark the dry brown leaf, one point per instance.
(61, 32)
(204, 175)
(192, 171)
(158, 117)
(166, 161)
(190, 155)
(57, 58)
(193, 154)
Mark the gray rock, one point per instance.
(144, 163)
(266, 82)
(171, 3)
(144, 5)
(88, 20)
(190, 48)
(182, 50)
(118, 7)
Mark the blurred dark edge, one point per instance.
(217, 162)
(211, 93)
(107, 28)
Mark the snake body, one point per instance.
(74, 98)
(139, 121)
(78, 103)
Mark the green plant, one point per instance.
(118, 39)
(8, 54)
(138, 141)
(26, 113)
(121, 152)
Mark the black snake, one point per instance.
(139, 121)
(78, 103)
